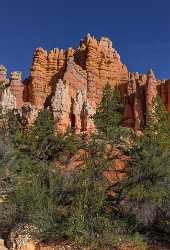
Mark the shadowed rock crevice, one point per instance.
(72, 116)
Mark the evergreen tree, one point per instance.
(89, 223)
(158, 127)
(39, 140)
(38, 191)
(108, 116)
(7, 180)
(148, 174)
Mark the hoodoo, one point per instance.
(70, 83)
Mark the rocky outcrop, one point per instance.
(164, 92)
(11, 90)
(61, 103)
(138, 93)
(37, 87)
(3, 74)
(8, 100)
(151, 92)
(17, 88)
(70, 82)
(2, 245)
(103, 65)
(21, 239)
(134, 100)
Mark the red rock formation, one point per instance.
(164, 92)
(17, 88)
(2, 245)
(139, 93)
(102, 65)
(3, 74)
(37, 84)
(83, 72)
(151, 92)
(71, 83)
(134, 93)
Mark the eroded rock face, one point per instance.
(3, 74)
(11, 90)
(8, 100)
(71, 82)
(151, 91)
(17, 88)
(2, 245)
(138, 93)
(61, 103)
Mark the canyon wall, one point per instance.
(70, 84)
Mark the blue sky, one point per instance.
(139, 30)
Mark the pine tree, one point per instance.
(158, 127)
(108, 116)
(148, 174)
(7, 178)
(89, 223)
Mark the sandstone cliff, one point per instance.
(70, 83)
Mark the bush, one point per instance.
(7, 182)
(65, 206)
